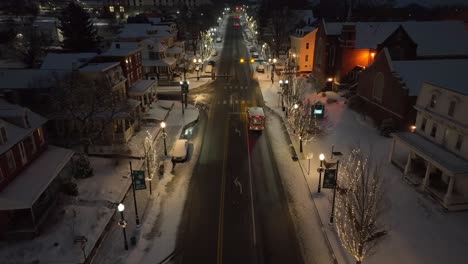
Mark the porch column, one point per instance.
(392, 150)
(408, 163)
(448, 194)
(426, 180)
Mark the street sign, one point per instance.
(329, 179)
(139, 179)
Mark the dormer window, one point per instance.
(3, 135)
(433, 101)
(451, 109)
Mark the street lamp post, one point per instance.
(296, 106)
(163, 126)
(322, 158)
(123, 224)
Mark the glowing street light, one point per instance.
(123, 223)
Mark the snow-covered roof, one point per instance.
(256, 111)
(145, 30)
(141, 86)
(29, 78)
(441, 157)
(154, 20)
(166, 62)
(99, 67)
(13, 118)
(66, 61)
(426, 34)
(450, 74)
(122, 49)
(26, 188)
(175, 50)
(333, 28)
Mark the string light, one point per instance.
(358, 205)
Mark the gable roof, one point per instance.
(145, 30)
(66, 61)
(10, 114)
(450, 74)
(332, 28)
(29, 78)
(426, 34)
(122, 49)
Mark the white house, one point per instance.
(436, 156)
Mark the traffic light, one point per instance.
(241, 60)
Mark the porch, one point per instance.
(125, 125)
(432, 169)
(145, 92)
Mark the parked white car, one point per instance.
(180, 150)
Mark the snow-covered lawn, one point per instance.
(419, 230)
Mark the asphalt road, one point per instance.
(236, 210)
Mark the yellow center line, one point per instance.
(221, 203)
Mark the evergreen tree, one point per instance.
(77, 28)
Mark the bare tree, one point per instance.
(301, 122)
(150, 157)
(359, 205)
(90, 104)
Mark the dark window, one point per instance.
(451, 109)
(434, 130)
(459, 142)
(423, 124)
(307, 45)
(307, 58)
(4, 135)
(433, 101)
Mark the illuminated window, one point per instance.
(40, 136)
(111, 9)
(122, 9)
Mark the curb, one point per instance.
(330, 248)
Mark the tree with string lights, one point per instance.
(359, 205)
(301, 123)
(150, 158)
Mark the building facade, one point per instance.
(437, 150)
(31, 172)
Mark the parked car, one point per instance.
(180, 150)
(212, 63)
(254, 54)
(218, 40)
(260, 68)
(253, 49)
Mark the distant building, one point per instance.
(129, 58)
(31, 172)
(436, 159)
(344, 49)
(302, 46)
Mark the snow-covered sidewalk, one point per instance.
(87, 216)
(419, 230)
